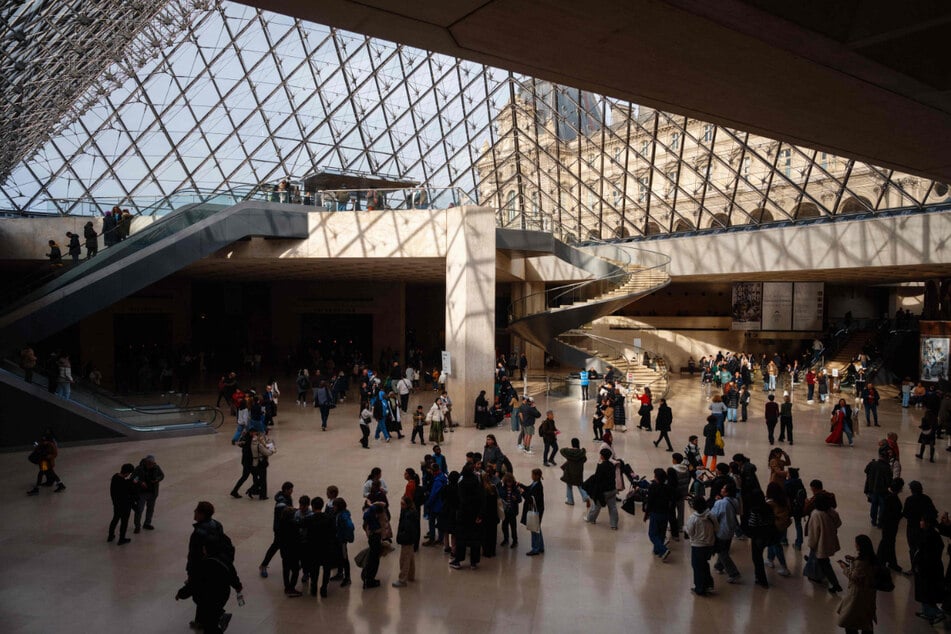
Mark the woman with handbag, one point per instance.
(534, 495)
(711, 448)
(645, 409)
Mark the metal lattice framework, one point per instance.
(221, 94)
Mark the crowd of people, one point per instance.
(696, 496)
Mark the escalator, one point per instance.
(92, 413)
(169, 244)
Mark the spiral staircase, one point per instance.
(620, 274)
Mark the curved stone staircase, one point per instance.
(620, 274)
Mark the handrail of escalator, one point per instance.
(217, 416)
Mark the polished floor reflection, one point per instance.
(60, 575)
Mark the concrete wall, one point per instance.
(888, 241)
(27, 238)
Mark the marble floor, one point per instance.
(60, 575)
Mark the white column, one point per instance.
(470, 306)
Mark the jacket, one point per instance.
(726, 511)
(547, 429)
(121, 490)
(702, 528)
(534, 500)
(665, 417)
(710, 443)
(572, 469)
(148, 478)
(857, 609)
(259, 451)
(823, 533)
(407, 531)
(878, 477)
(434, 503)
(682, 483)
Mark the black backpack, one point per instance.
(37, 455)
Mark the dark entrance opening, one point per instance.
(337, 337)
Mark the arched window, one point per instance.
(854, 205)
(806, 210)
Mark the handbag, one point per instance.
(718, 440)
(532, 521)
(361, 557)
(500, 506)
(811, 569)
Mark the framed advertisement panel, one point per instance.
(747, 305)
(777, 305)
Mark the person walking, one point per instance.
(870, 399)
(602, 488)
(549, 433)
(44, 454)
(209, 571)
(929, 570)
(889, 521)
(701, 529)
(663, 422)
(247, 461)
(122, 491)
(772, 416)
(435, 420)
(822, 533)
(573, 471)
(262, 448)
(785, 420)
(324, 400)
(711, 448)
(857, 610)
(928, 435)
(657, 511)
(726, 510)
(373, 526)
(878, 477)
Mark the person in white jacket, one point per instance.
(702, 531)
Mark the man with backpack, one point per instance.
(796, 492)
(210, 570)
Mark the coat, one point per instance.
(665, 417)
(710, 440)
(823, 533)
(572, 469)
(929, 572)
(857, 609)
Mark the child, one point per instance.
(419, 419)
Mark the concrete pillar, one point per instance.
(470, 305)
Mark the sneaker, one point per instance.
(734, 580)
(666, 554)
(399, 584)
(455, 565)
(59, 487)
(783, 572)
(770, 564)
(263, 571)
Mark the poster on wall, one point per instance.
(934, 358)
(777, 305)
(747, 305)
(808, 304)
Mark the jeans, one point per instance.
(552, 446)
(847, 430)
(365, 433)
(372, 564)
(663, 436)
(797, 522)
(905, 399)
(724, 561)
(290, 567)
(871, 411)
(810, 391)
(771, 428)
(731, 414)
(878, 504)
(120, 517)
(245, 474)
(775, 551)
(63, 390)
(598, 429)
(538, 542)
(657, 532)
(381, 429)
(700, 562)
(677, 521)
(584, 392)
(785, 429)
(570, 498)
(721, 417)
(237, 433)
(146, 501)
(468, 539)
(757, 546)
(610, 500)
(324, 414)
(509, 524)
(772, 382)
